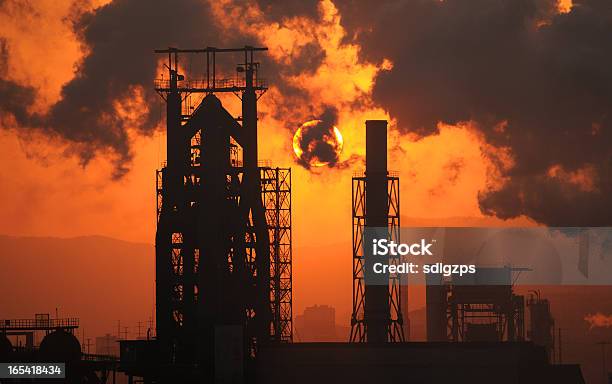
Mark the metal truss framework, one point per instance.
(507, 317)
(276, 194)
(359, 330)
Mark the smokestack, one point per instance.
(376, 312)
(376, 148)
(377, 204)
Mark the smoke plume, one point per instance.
(118, 69)
(598, 320)
(536, 82)
(120, 66)
(15, 98)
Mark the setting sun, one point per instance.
(317, 144)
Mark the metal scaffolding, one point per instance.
(460, 312)
(276, 194)
(487, 321)
(359, 332)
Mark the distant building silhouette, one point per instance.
(317, 323)
(107, 345)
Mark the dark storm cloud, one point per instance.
(307, 60)
(120, 38)
(15, 98)
(548, 75)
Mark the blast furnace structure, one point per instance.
(223, 241)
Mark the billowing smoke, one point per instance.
(317, 143)
(15, 98)
(535, 82)
(120, 66)
(120, 38)
(598, 320)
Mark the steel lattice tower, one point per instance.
(377, 314)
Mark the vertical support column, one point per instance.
(358, 331)
(249, 119)
(286, 258)
(253, 212)
(376, 315)
(436, 308)
(176, 148)
(168, 281)
(276, 194)
(396, 331)
(404, 307)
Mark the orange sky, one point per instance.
(45, 193)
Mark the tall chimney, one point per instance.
(377, 315)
